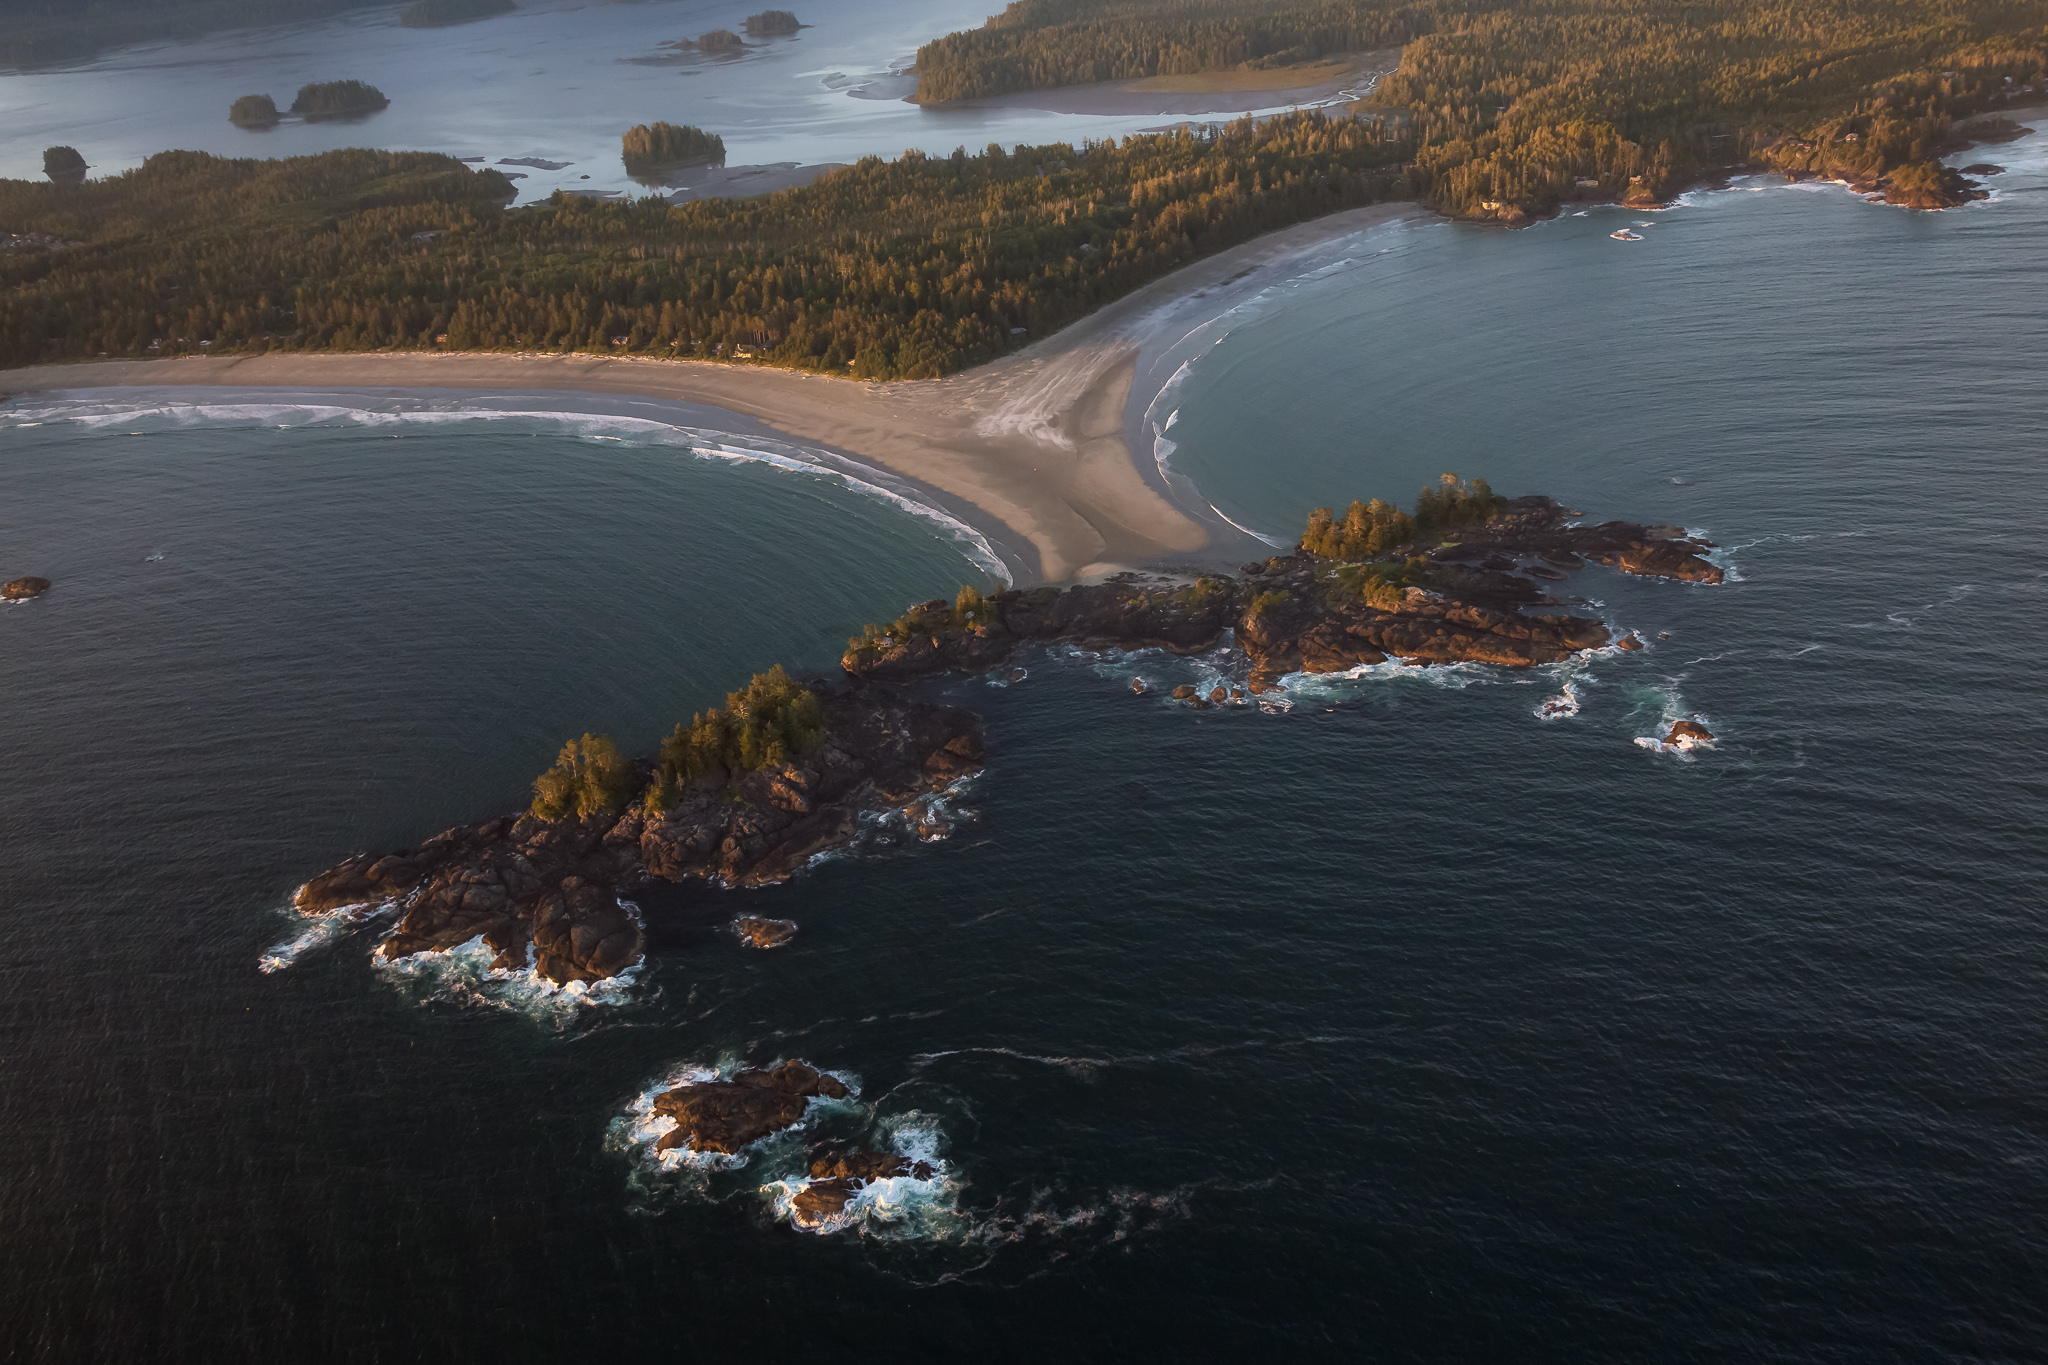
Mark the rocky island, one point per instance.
(745, 794)
(724, 1117)
(21, 589)
(719, 803)
(1419, 599)
(337, 99)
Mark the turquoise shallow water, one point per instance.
(1397, 1024)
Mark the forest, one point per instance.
(1515, 107)
(886, 269)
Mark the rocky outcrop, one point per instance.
(839, 1174)
(1294, 612)
(1935, 187)
(1686, 734)
(764, 933)
(725, 1116)
(1185, 619)
(546, 893)
(21, 589)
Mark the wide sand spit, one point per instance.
(1047, 451)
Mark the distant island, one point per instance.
(253, 111)
(64, 165)
(718, 41)
(770, 23)
(435, 13)
(653, 147)
(338, 99)
(746, 793)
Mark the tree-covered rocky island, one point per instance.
(746, 793)
(253, 111)
(772, 23)
(650, 147)
(337, 99)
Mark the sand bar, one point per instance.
(1036, 448)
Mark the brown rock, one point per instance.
(1686, 733)
(819, 1202)
(1629, 641)
(1138, 686)
(21, 589)
(765, 933)
(724, 1116)
(1219, 694)
(1184, 693)
(838, 1174)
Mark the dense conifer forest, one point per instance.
(1516, 106)
(911, 268)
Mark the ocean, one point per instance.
(1390, 1022)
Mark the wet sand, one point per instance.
(1038, 446)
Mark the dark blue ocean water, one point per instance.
(1397, 1024)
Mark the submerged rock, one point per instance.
(839, 1174)
(1685, 734)
(724, 1116)
(765, 933)
(21, 589)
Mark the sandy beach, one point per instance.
(1044, 450)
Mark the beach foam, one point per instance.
(702, 442)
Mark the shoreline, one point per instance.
(1039, 450)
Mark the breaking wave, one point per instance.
(318, 931)
(703, 442)
(463, 975)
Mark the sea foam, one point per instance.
(702, 442)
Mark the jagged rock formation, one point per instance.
(724, 1116)
(1295, 613)
(545, 893)
(838, 1174)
